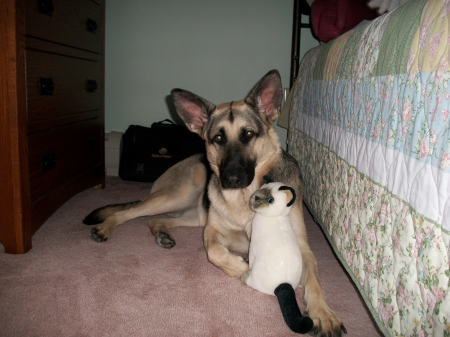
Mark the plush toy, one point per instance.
(275, 259)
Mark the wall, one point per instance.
(215, 48)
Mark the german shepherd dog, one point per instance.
(214, 190)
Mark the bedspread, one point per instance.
(370, 127)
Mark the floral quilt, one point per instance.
(370, 128)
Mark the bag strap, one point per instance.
(164, 122)
(167, 123)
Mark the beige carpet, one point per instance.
(69, 285)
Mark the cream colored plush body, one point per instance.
(274, 256)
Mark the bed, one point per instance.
(369, 124)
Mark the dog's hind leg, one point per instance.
(157, 203)
(100, 214)
(102, 231)
(176, 191)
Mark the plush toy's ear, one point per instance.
(266, 97)
(193, 109)
(290, 192)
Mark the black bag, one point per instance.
(148, 152)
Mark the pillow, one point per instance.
(332, 18)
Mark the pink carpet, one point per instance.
(69, 285)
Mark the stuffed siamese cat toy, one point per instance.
(274, 257)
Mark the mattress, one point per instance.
(369, 124)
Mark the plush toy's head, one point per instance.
(273, 199)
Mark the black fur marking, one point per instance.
(231, 115)
(205, 202)
(260, 123)
(94, 217)
(286, 170)
(290, 310)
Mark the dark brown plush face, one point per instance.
(238, 135)
(272, 199)
(262, 198)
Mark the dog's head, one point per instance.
(273, 199)
(238, 135)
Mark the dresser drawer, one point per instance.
(73, 23)
(57, 156)
(60, 85)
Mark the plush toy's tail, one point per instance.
(290, 310)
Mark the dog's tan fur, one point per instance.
(244, 130)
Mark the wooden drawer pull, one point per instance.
(48, 162)
(91, 25)
(46, 7)
(46, 86)
(91, 85)
(92, 143)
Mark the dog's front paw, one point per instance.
(98, 234)
(165, 240)
(236, 266)
(245, 276)
(326, 322)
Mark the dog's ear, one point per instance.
(290, 192)
(192, 109)
(266, 97)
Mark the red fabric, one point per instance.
(332, 18)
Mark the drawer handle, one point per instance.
(46, 86)
(48, 162)
(91, 25)
(92, 143)
(91, 85)
(46, 7)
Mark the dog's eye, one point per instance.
(249, 134)
(270, 200)
(218, 139)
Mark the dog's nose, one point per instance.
(236, 171)
(233, 182)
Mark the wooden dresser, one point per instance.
(51, 110)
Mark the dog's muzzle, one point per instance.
(237, 172)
